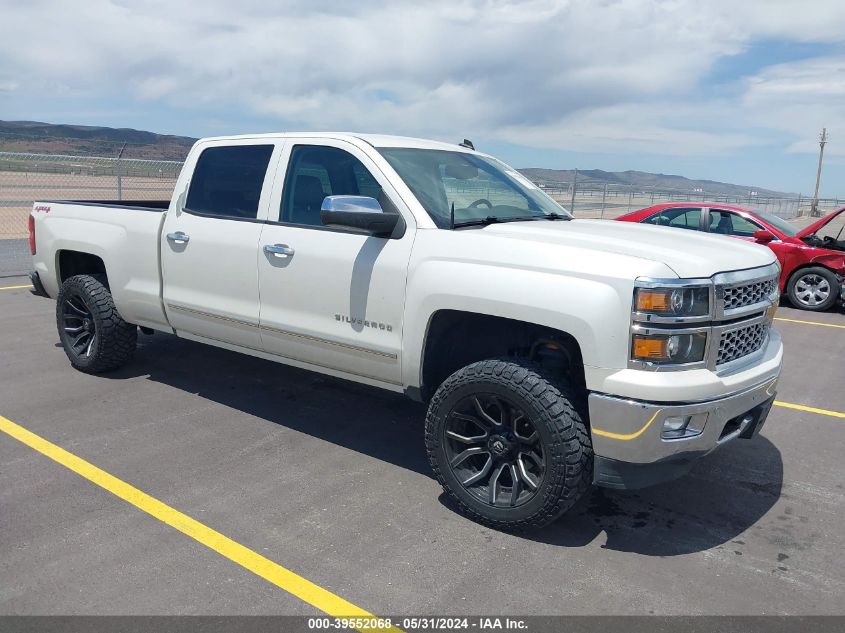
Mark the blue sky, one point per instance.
(724, 90)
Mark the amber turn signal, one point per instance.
(646, 348)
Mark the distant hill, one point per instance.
(644, 180)
(84, 140)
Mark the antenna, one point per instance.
(467, 143)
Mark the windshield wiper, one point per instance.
(491, 219)
(555, 216)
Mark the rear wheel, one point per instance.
(94, 335)
(815, 289)
(508, 444)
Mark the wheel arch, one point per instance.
(815, 263)
(456, 338)
(71, 262)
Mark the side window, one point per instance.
(728, 223)
(227, 181)
(678, 217)
(315, 172)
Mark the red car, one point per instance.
(812, 259)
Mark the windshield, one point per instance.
(779, 223)
(481, 189)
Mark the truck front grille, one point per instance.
(748, 294)
(740, 342)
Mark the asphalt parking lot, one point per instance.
(330, 480)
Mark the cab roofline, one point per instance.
(376, 140)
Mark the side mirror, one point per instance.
(360, 213)
(763, 236)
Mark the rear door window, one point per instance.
(677, 217)
(227, 181)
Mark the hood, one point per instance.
(818, 224)
(689, 253)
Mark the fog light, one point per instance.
(675, 426)
(684, 426)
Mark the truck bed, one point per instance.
(138, 205)
(123, 234)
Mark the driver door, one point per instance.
(330, 297)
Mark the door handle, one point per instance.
(178, 237)
(278, 250)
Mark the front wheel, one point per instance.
(814, 288)
(508, 444)
(94, 335)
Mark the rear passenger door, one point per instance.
(336, 299)
(209, 244)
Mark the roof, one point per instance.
(695, 203)
(376, 140)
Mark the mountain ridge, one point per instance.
(88, 140)
(646, 180)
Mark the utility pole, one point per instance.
(574, 183)
(814, 210)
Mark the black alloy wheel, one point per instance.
(494, 451)
(93, 333)
(509, 443)
(77, 321)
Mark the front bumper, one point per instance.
(630, 451)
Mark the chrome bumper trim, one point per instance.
(630, 430)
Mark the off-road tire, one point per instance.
(819, 272)
(555, 414)
(114, 339)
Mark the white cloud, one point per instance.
(799, 99)
(588, 75)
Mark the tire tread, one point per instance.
(116, 339)
(571, 449)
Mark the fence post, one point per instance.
(574, 183)
(630, 196)
(603, 199)
(119, 174)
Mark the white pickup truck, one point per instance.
(554, 353)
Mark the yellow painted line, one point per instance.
(810, 322)
(629, 436)
(801, 407)
(304, 589)
(16, 287)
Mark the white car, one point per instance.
(554, 353)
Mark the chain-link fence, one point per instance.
(25, 178)
(597, 200)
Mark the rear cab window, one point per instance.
(227, 181)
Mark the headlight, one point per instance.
(673, 302)
(674, 349)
